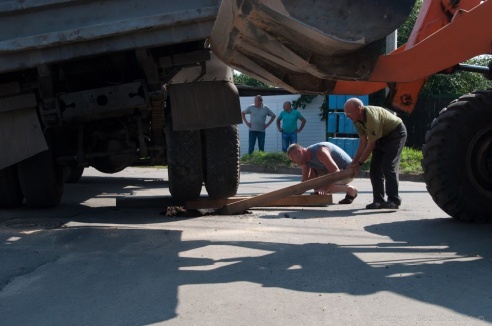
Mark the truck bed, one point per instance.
(47, 31)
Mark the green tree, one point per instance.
(454, 84)
(243, 79)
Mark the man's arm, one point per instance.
(271, 120)
(243, 114)
(367, 151)
(278, 123)
(305, 172)
(324, 156)
(303, 122)
(364, 150)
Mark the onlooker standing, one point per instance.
(289, 128)
(383, 134)
(258, 113)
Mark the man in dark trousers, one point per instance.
(383, 134)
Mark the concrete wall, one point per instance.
(314, 131)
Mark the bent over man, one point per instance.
(383, 134)
(320, 159)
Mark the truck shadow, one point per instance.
(115, 274)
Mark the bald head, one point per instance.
(287, 106)
(354, 109)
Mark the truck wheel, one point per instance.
(184, 154)
(457, 159)
(221, 161)
(10, 191)
(74, 174)
(41, 180)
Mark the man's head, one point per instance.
(354, 109)
(295, 152)
(258, 101)
(287, 106)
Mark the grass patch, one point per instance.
(272, 159)
(410, 161)
(409, 164)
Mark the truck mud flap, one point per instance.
(21, 136)
(205, 104)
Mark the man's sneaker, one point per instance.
(375, 205)
(390, 205)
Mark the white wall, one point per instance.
(314, 131)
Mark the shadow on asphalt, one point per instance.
(147, 267)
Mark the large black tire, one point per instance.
(457, 159)
(221, 161)
(10, 191)
(184, 155)
(74, 173)
(41, 181)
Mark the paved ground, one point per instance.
(90, 263)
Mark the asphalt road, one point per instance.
(89, 262)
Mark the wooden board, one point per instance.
(299, 188)
(205, 202)
(295, 200)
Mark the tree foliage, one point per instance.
(454, 84)
(243, 79)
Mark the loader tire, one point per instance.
(41, 180)
(184, 154)
(457, 158)
(10, 191)
(221, 156)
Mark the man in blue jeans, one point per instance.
(289, 128)
(258, 113)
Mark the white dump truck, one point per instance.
(110, 83)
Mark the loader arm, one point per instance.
(446, 33)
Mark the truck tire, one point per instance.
(41, 181)
(221, 156)
(10, 191)
(74, 173)
(184, 154)
(457, 159)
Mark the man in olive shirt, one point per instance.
(383, 134)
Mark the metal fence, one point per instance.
(418, 123)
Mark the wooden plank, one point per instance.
(295, 200)
(205, 202)
(146, 202)
(296, 189)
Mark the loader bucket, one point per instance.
(305, 45)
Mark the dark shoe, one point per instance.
(348, 199)
(390, 205)
(375, 205)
